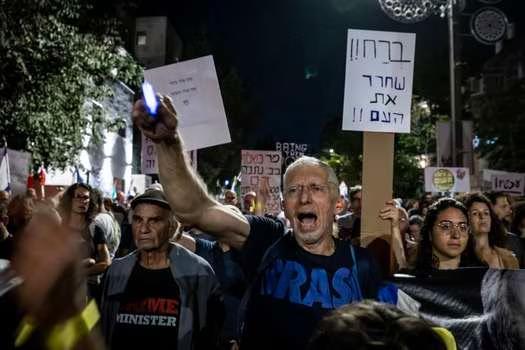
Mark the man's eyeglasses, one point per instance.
(447, 226)
(314, 189)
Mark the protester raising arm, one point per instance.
(391, 212)
(185, 191)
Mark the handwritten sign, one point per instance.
(291, 151)
(194, 89)
(378, 82)
(447, 179)
(512, 183)
(257, 166)
(149, 163)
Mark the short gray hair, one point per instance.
(313, 162)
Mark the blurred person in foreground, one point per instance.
(370, 325)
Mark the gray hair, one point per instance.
(313, 162)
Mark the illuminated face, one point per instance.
(450, 234)
(502, 209)
(151, 227)
(479, 217)
(80, 203)
(309, 204)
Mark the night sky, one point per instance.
(291, 53)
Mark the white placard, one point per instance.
(149, 163)
(378, 81)
(194, 88)
(447, 179)
(512, 183)
(19, 169)
(257, 166)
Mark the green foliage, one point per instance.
(56, 56)
(500, 125)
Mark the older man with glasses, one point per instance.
(297, 276)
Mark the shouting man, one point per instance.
(298, 276)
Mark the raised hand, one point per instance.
(162, 127)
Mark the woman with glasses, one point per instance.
(445, 238)
(488, 234)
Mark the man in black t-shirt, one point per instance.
(297, 277)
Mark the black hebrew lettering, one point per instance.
(369, 78)
(399, 87)
(374, 116)
(395, 117)
(380, 77)
(388, 45)
(382, 97)
(150, 150)
(400, 52)
(389, 79)
(390, 99)
(373, 45)
(386, 117)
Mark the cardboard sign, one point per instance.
(447, 179)
(512, 183)
(259, 165)
(194, 89)
(378, 82)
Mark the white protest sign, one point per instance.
(194, 89)
(378, 81)
(447, 179)
(149, 157)
(512, 183)
(19, 169)
(291, 151)
(257, 166)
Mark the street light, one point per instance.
(413, 11)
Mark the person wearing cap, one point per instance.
(296, 276)
(161, 296)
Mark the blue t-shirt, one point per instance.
(297, 288)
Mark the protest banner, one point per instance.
(483, 308)
(378, 81)
(258, 166)
(194, 88)
(447, 179)
(508, 182)
(291, 151)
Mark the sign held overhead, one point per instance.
(378, 81)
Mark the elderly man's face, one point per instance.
(309, 204)
(151, 227)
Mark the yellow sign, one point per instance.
(443, 180)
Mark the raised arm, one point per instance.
(184, 189)
(391, 212)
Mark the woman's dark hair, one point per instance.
(424, 258)
(497, 231)
(66, 202)
(519, 214)
(373, 325)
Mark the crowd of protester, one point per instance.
(175, 268)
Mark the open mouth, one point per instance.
(307, 220)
